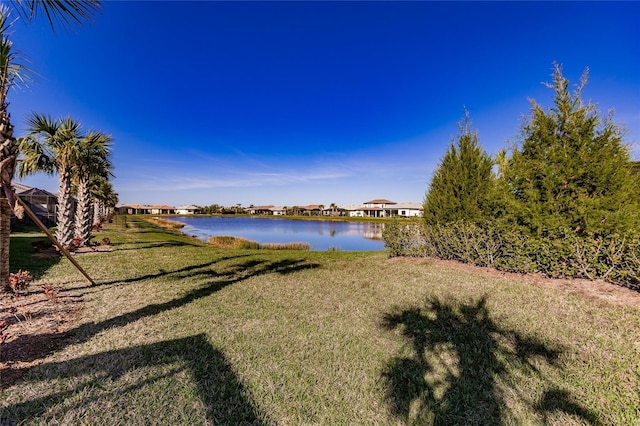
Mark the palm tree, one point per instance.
(104, 198)
(54, 146)
(333, 208)
(93, 161)
(9, 74)
(65, 12)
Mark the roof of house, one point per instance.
(379, 201)
(135, 206)
(191, 207)
(312, 207)
(28, 190)
(409, 205)
(260, 208)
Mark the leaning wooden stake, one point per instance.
(53, 239)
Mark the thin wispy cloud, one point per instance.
(150, 182)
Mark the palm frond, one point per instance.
(41, 124)
(94, 151)
(67, 13)
(13, 70)
(35, 158)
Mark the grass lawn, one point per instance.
(178, 332)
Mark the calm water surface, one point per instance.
(321, 235)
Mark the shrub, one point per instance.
(19, 281)
(50, 291)
(402, 239)
(228, 242)
(558, 253)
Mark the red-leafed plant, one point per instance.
(50, 291)
(19, 281)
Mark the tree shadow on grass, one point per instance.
(192, 270)
(100, 380)
(138, 245)
(458, 353)
(215, 281)
(21, 255)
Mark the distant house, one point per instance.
(384, 208)
(263, 210)
(163, 209)
(312, 210)
(407, 209)
(42, 203)
(133, 209)
(145, 209)
(353, 210)
(188, 209)
(381, 203)
(267, 210)
(373, 208)
(333, 210)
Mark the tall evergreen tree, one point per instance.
(462, 186)
(572, 169)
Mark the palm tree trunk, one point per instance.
(64, 232)
(96, 212)
(5, 233)
(83, 214)
(8, 155)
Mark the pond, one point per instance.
(321, 235)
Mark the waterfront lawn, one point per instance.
(178, 332)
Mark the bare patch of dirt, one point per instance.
(92, 250)
(600, 290)
(35, 326)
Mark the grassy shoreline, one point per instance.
(178, 332)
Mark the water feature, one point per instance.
(321, 235)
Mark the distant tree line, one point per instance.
(564, 200)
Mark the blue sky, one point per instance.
(296, 103)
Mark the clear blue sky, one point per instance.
(316, 102)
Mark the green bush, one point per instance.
(402, 239)
(558, 253)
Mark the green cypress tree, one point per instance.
(462, 185)
(572, 169)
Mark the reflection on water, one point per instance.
(321, 235)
